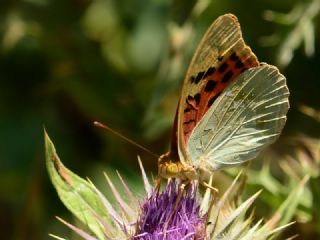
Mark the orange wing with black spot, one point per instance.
(220, 57)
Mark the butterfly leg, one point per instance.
(158, 184)
(213, 189)
(157, 187)
(181, 191)
(213, 201)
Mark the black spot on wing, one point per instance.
(223, 67)
(202, 75)
(227, 76)
(187, 110)
(239, 64)
(210, 86)
(209, 72)
(198, 77)
(211, 101)
(234, 57)
(197, 98)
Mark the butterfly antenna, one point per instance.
(101, 125)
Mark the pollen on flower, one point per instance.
(186, 222)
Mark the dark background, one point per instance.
(66, 63)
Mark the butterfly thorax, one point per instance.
(170, 167)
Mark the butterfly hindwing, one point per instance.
(220, 57)
(247, 116)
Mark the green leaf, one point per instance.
(286, 211)
(75, 193)
(289, 206)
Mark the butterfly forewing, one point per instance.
(221, 56)
(246, 117)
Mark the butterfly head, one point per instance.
(171, 168)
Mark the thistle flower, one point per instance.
(186, 221)
(194, 216)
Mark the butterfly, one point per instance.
(231, 106)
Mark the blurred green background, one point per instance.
(66, 63)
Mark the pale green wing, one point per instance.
(246, 117)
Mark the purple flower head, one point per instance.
(185, 223)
